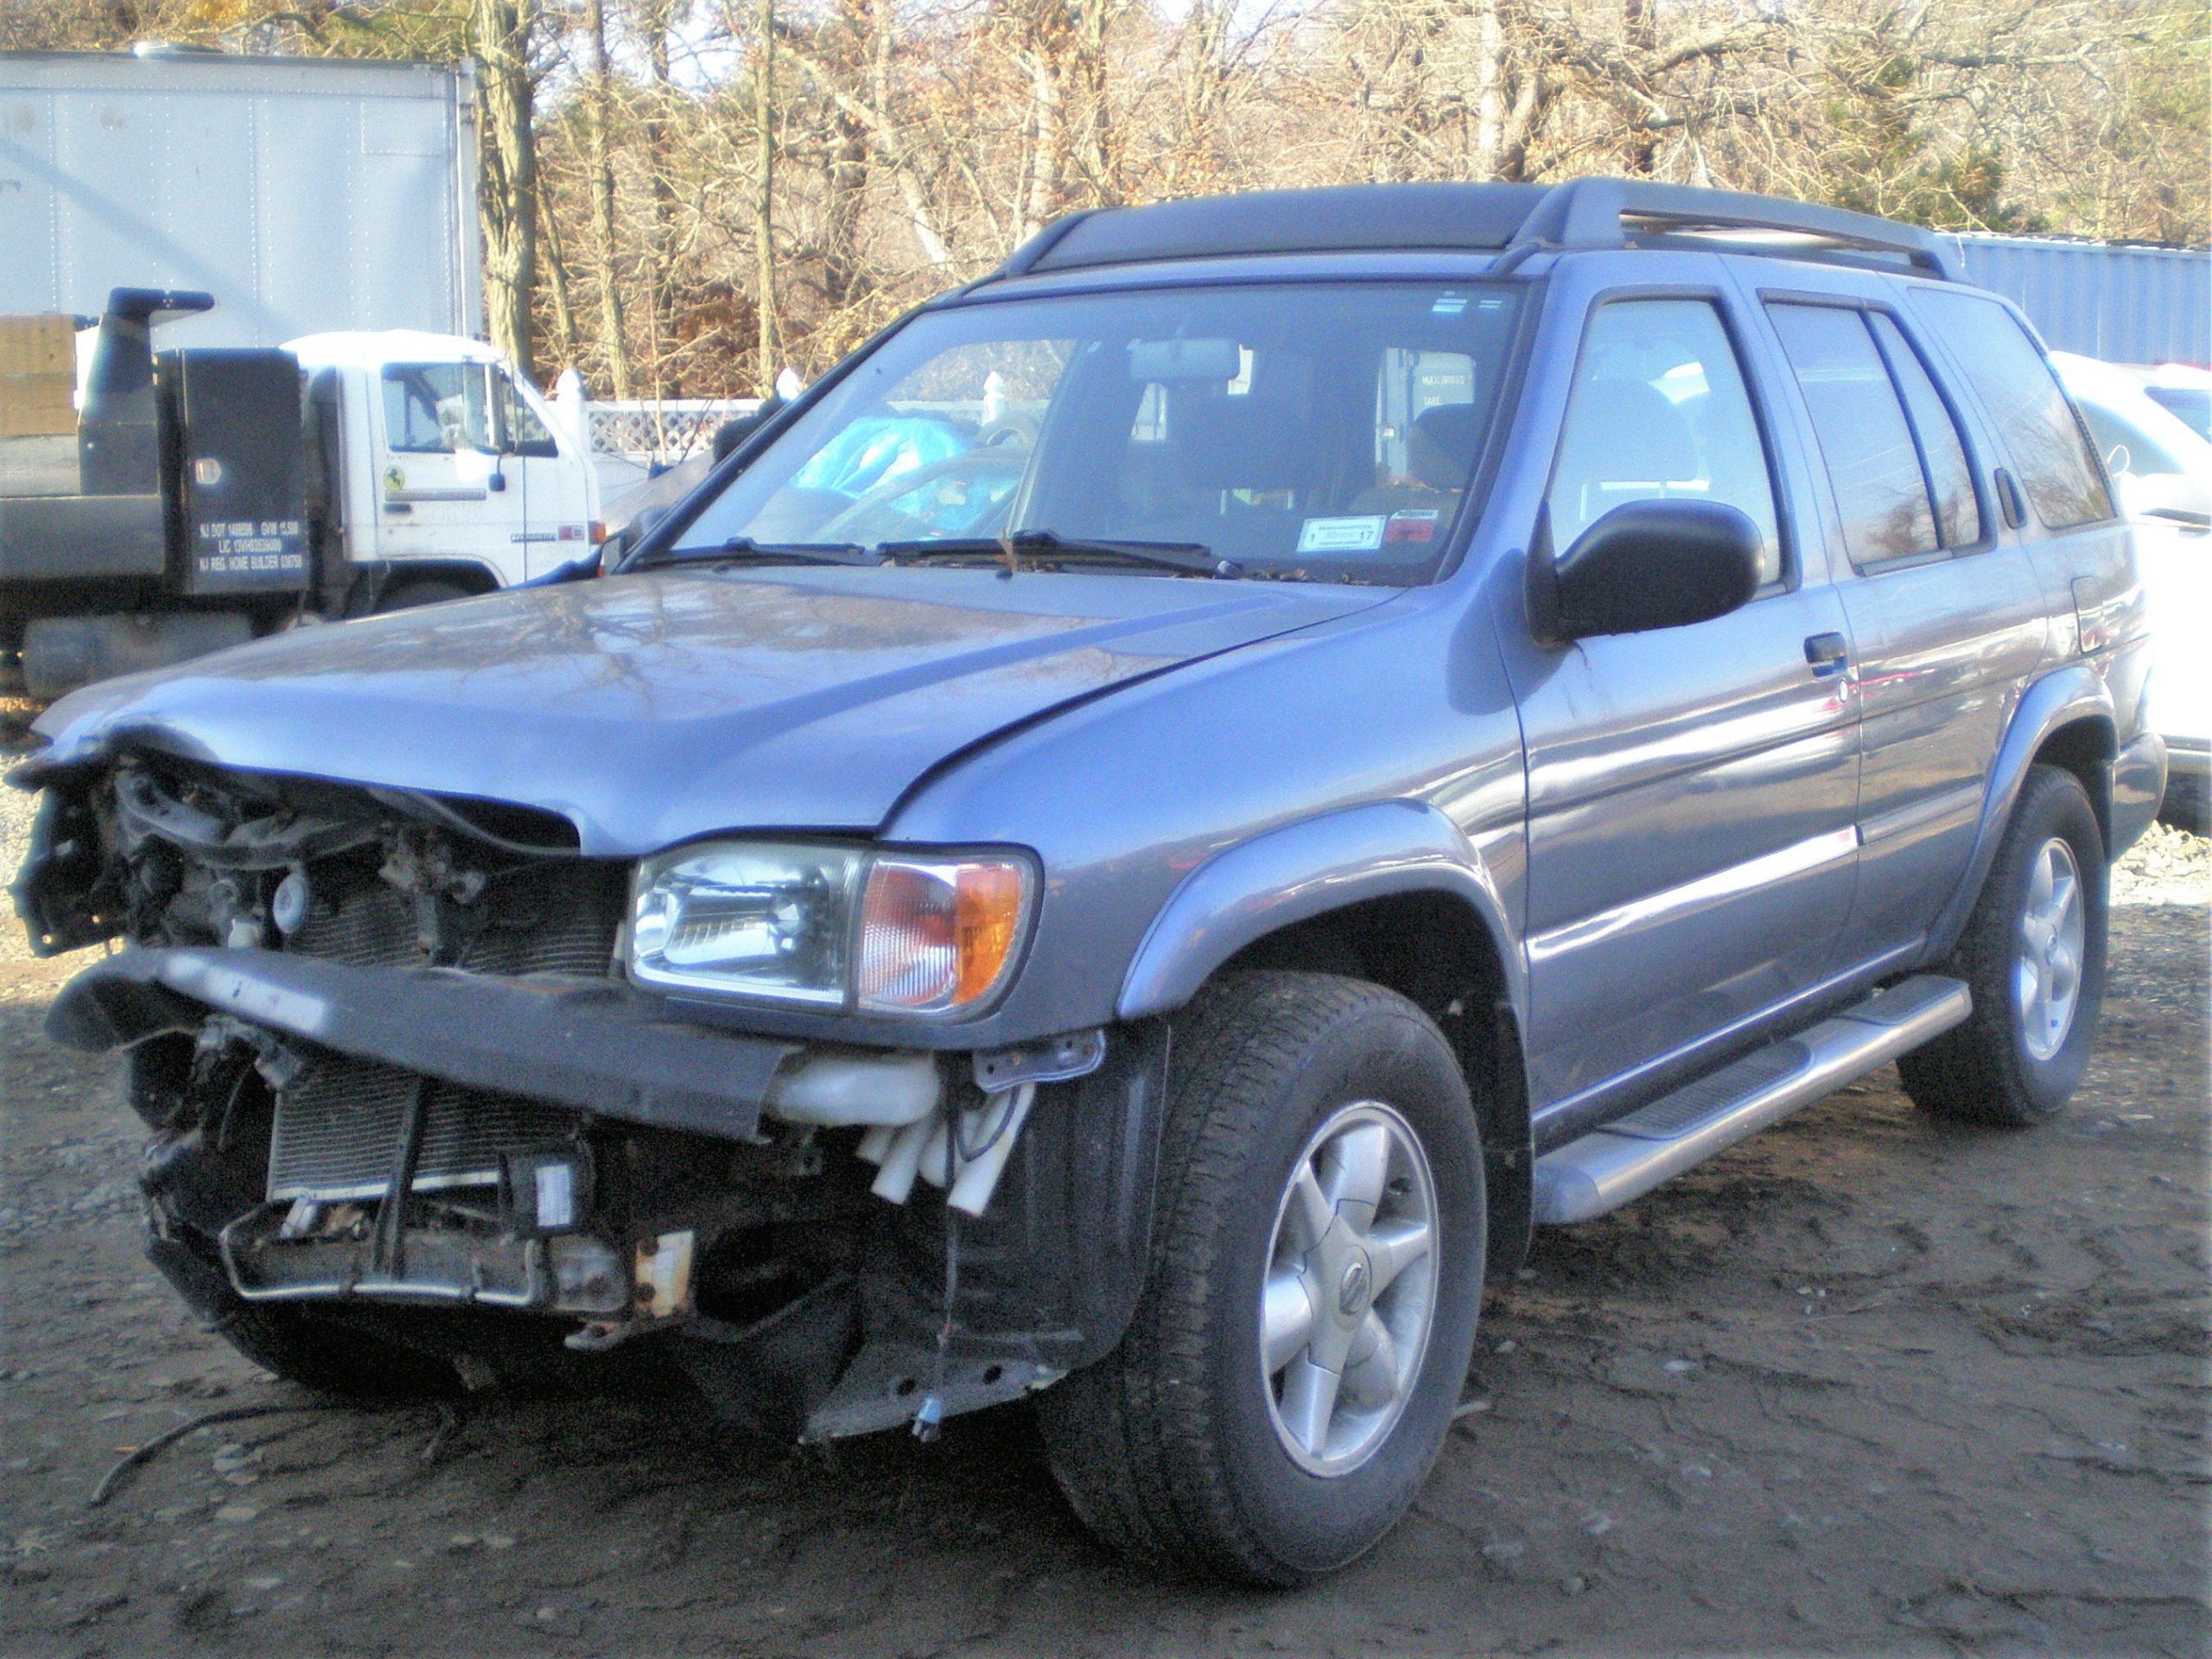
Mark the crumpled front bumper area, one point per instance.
(589, 1043)
(550, 1158)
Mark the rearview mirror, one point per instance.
(1654, 564)
(1203, 359)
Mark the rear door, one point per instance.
(1691, 791)
(1947, 615)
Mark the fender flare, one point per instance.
(1305, 869)
(2065, 696)
(1308, 868)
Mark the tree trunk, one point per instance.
(1640, 31)
(601, 169)
(654, 21)
(764, 214)
(1490, 89)
(1095, 151)
(557, 281)
(507, 171)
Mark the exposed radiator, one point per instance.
(338, 1129)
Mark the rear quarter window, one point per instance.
(2018, 388)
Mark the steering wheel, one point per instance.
(878, 516)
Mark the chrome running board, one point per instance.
(1628, 1157)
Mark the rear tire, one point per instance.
(1197, 1445)
(2035, 961)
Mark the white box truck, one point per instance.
(270, 408)
(307, 194)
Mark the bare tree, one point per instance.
(681, 195)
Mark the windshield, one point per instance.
(2191, 404)
(1325, 431)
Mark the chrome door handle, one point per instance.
(1829, 653)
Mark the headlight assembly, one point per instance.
(885, 932)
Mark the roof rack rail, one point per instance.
(1517, 220)
(1611, 212)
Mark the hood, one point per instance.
(651, 708)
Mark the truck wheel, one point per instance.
(332, 1357)
(2034, 957)
(1310, 1308)
(407, 595)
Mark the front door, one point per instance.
(557, 511)
(443, 491)
(1692, 790)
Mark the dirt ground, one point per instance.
(1864, 1385)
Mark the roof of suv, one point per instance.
(1515, 219)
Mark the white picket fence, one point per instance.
(667, 431)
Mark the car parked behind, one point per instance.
(2162, 479)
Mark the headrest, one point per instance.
(1242, 443)
(1440, 450)
(1628, 431)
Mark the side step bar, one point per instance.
(1626, 1158)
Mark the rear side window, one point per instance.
(1872, 460)
(2020, 390)
(1942, 452)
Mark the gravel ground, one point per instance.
(1866, 1384)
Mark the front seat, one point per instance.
(1629, 444)
(1439, 456)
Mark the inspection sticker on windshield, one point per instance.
(1360, 535)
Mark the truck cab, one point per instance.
(159, 505)
(447, 475)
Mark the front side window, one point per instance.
(521, 433)
(1315, 431)
(2191, 405)
(2020, 390)
(1659, 411)
(1873, 463)
(2131, 448)
(437, 407)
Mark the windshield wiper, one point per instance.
(1191, 558)
(744, 547)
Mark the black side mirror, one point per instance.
(1646, 565)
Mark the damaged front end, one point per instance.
(396, 1077)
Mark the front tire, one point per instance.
(333, 1357)
(2033, 955)
(413, 595)
(1315, 1276)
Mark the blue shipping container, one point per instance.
(2123, 304)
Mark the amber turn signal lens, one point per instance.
(937, 936)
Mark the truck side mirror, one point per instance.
(1654, 564)
(736, 430)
